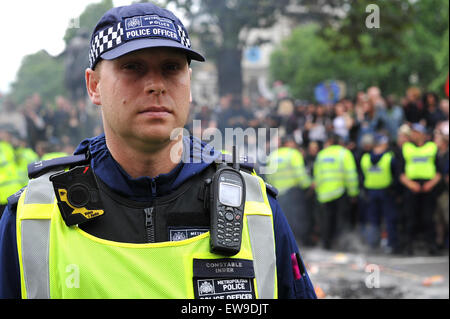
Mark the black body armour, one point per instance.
(177, 216)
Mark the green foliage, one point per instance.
(441, 58)
(39, 73)
(429, 44)
(305, 60)
(412, 40)
(352, 33)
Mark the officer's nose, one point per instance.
(155, 84)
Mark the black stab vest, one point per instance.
(130, 221)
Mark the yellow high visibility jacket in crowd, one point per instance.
(420, 160)
(335, 174)
(57, 261)
(287, 169)
(24, 157)
(9, 181)
(53, 155)
(379, 175)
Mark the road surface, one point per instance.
(360, 275)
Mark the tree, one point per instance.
(441, 58)
(429, 44)
(221, 26)
(305, 59)
(77, 47)
(412, 40)
(39, 73)
(375, 43)
(88, 19)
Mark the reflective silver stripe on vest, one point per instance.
(253, 188)
(40, 190)
(35, 235)
(260, 229)
(35, 250)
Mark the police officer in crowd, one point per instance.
(24, 156)
(379, 173)
(150, 237)
(335, 181)
(15, 155)
(419, 173)
(287, 173)
(9, 181)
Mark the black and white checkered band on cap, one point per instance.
(104, 41)
(184, 39)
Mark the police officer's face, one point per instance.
(144, 95)
(416, 136)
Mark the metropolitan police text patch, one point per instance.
(226, 278)
(178, 234)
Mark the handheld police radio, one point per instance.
(227, 199)
(77, 193)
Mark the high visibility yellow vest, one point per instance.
(57, 261)
(24, 157)
(420, 160)
(288, 170)
(53, 155)
(9, 179)
(335, 173)
(6, 153)
(379, 175)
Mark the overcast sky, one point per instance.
(28, 26)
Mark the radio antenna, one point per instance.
(235, 158)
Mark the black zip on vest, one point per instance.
(149, 225)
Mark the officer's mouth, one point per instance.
(155, 111)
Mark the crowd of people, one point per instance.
(57, 126)
(357, 124)
(362, 125)
(36, 131)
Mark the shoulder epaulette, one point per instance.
(40, 168)
(271, 190)
(14, 198)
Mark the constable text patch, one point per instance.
(224, 279)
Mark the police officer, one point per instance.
(23, 157)
(288, 174)
(379, 170)
(335, 179)
(9, 182)
(150, 237)
(419, 174)
(287, 167)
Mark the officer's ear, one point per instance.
(190, 90)
(92, 81)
